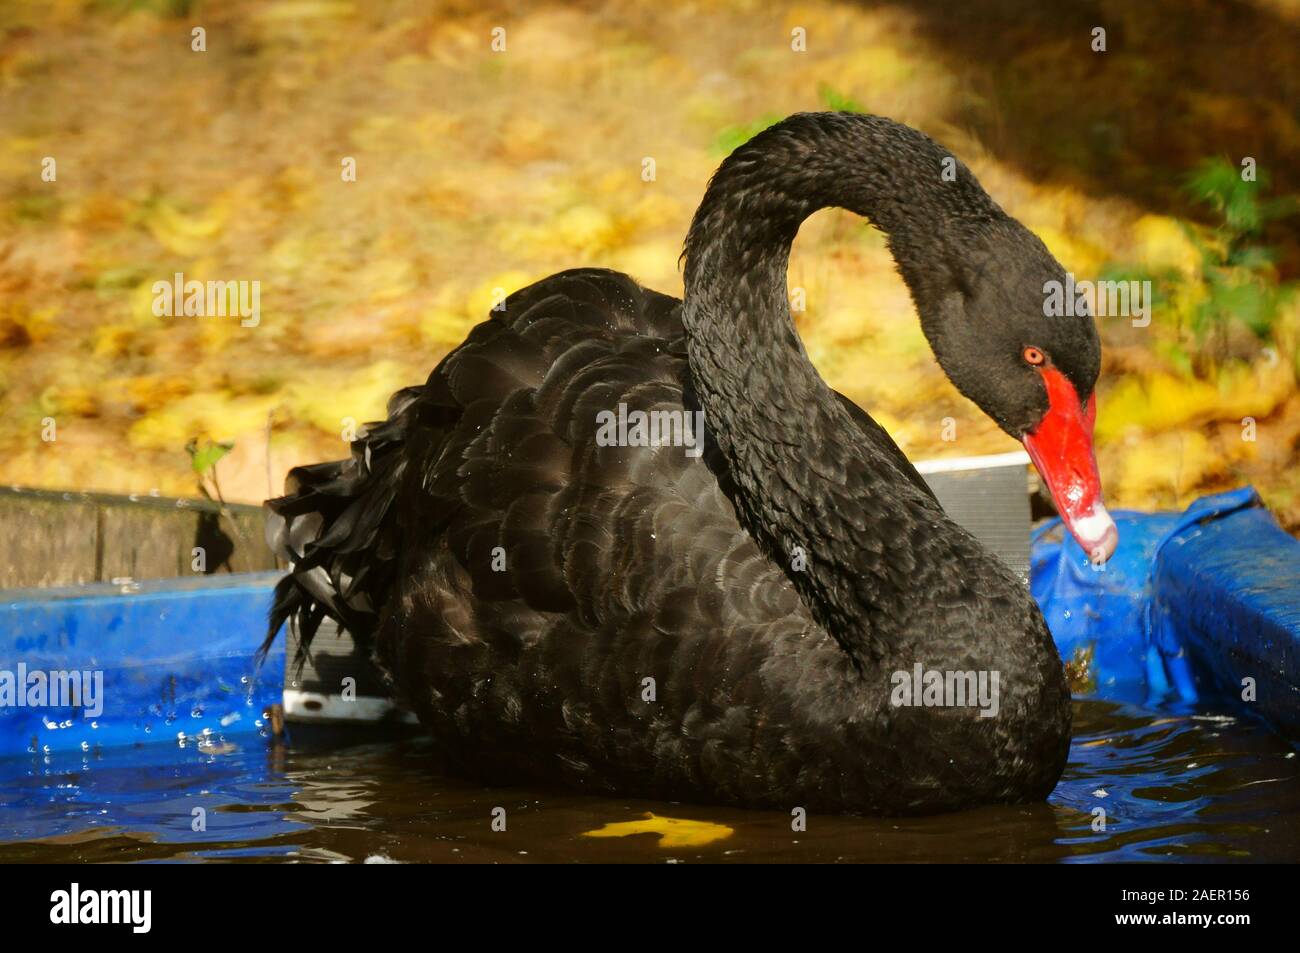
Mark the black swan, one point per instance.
(732, 626)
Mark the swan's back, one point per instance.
(521, 582)
(558, 604)
(558, 609)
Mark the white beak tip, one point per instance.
(1096, 532)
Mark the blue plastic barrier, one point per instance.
(1198, 606)
(162, 660)
(1189, 606)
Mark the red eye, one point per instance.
(1033, 356)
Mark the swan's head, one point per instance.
(1010, 332)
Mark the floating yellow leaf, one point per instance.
(673, 831)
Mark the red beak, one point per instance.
(1061, 448)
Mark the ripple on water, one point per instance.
(1140, 785)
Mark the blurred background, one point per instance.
(481, 169)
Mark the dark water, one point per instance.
(1173, 786)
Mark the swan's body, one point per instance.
(644, 621)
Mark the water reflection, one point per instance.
(1181, 785)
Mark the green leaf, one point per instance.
(1252, 258)
(733, 137)
(836, 101)
(205, 458)
(1212, 181)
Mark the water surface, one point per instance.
(1184, 786)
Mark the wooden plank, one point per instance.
(145, 543)
(47, 541)
(50, 539)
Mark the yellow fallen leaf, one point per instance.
(186, 234)
(1164, 467)
(1162, 243)
(674, 831)
(1161, 402)
(293, 10)
(1076, 253)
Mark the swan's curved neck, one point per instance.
(822, 495)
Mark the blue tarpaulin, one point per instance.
(166, 660)
(1199, 606)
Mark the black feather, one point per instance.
(521, 582)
